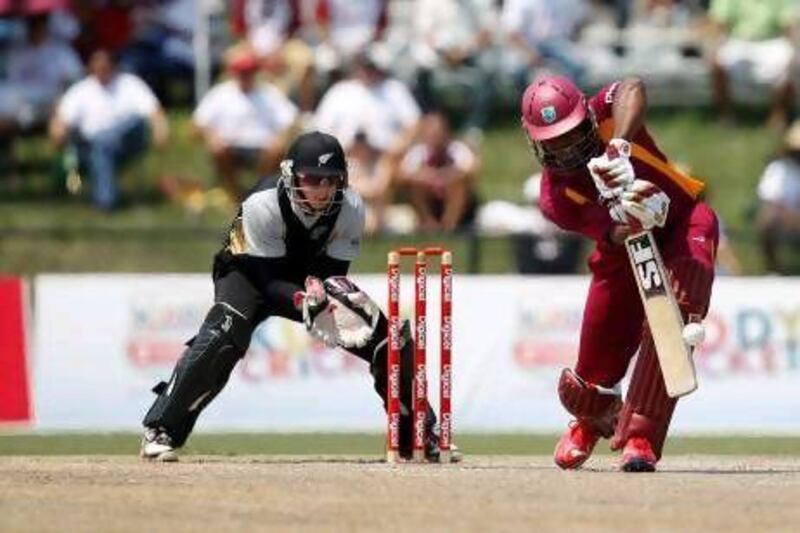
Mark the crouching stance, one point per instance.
(287, 254)
(604, 177)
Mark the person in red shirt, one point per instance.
(605, 178)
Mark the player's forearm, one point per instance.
(629, 108)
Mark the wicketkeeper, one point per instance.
(605, 178)
(287, 254)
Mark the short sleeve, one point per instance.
(771, 187)
(345, 242)
(413, 159)
(263, 225)
(68, 110)
(405, 107)
(203, 115)
(145, 101)
(463, 157)
(603, 102)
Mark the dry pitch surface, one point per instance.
(331, 494)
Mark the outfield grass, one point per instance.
(41, 231)
(364, 444)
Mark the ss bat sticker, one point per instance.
(646, 265)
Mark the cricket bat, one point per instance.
(663, 316)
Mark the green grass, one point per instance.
(363, 444)
(44, 231)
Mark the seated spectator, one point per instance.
(545, 35)
(346, 29)
(272, 29)
(244, 123)
(439, 174)
(370, 102)
(107, 117)
(456, 35)
(370, 176)
(161, 50)
(37, 71)
(778, 218)
(753, 44)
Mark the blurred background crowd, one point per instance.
(142, 110)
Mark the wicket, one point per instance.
(419, 382)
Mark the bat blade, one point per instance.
(663, 316)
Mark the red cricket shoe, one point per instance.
(575, 446)
(638, 456)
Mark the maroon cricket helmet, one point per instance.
(553, 106)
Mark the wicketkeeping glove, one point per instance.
(646, 203)
(612, 172)
(318, 312)
(338, 312)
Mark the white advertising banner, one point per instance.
(102, 341)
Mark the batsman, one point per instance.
(605, 178)
(287, 254)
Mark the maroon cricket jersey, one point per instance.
(570, 199)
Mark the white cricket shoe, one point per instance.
(157, 446)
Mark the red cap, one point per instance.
(552, 106)
(243, 61)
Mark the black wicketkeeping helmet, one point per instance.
(314, 154)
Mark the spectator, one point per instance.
(753, 43)
(545, 35)
(440, 174)
(161, 49)
(371, 102)
(370, 175)
(244, 123)
(347, 28)
(272, 29)
(38, 71)
(456, 35)
(778, 218)
(375, 117)
(107, 117)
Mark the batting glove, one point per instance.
(646, 204)
(612, 172)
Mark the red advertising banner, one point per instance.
(15, 406)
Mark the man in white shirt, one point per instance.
(108, 117)
(778, 217)
(244, 123)
(380, 107)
